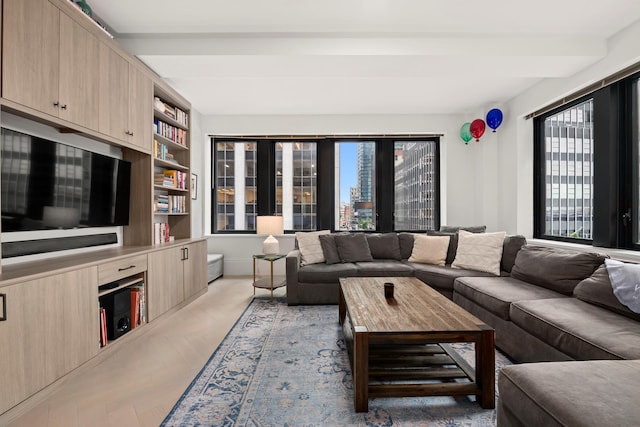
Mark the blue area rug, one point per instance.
(288, 366)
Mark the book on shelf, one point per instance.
(135, 306)
(103, 327)
(139, 289)
(171, 178)
(171, 111)
(163, 203)
(161, 152)
(172, 133)
(160, 232)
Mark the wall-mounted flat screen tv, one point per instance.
(50, 185)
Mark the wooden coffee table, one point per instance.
(398, 347)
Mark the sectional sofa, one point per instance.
(546, 305)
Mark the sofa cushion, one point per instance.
(592, 393)
(406, 244)
(470, 229)
(329, 249)
(580, 330)
(479, 251)
(453, 243)
(384, 268)
(555, 269)
(496, 294)
(309, 246)
(430, 249)
(625, 281)
(353, 247)
(510, 249)
(384, 246)
(441, 277)
(597, 290)
(326, 273)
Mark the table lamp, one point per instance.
(270, 225)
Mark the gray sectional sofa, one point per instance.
(553, 307)
(318, 283)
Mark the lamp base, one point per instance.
(270, 246)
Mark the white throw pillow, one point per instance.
(429, 249)
(479, 251)
(310, 247)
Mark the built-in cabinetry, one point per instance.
(49, 62)
(49, 329)
(182, 273)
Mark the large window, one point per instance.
(568, 167)
(586, 169)
(373, 184)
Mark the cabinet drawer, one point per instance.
(116, 270)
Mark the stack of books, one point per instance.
(138, 305)
(160, 232)
(170, 111)
(161, 152)
(172, 133)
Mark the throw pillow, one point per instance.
(384, 246)
(470, 229)
(453, 244)
(310, 248)
(353, 247)
(430, 249)
(510, 249)
(556, 269)
(625, 280)
(479, 251)
(329, 249)
(597, 290)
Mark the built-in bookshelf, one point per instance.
(122, 307)
(171, 174)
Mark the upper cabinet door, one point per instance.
(79, 62)
(114, 94)
(30, 54)
(140, 107)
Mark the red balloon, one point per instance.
(477, 129)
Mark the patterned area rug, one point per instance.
(288, 366)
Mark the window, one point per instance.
(235, 198)
(586, 169)
(568, 172)
(296, 191)
(415, 183)
(355, 185)
(364, 184)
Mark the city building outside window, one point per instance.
(355, 185)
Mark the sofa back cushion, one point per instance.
(330, 249)
(554, 269)
(353, 247)
(470, 229)
(510, 249)
(406, 244)
(596, 289)
(384, 246)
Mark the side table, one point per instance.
(270, 282)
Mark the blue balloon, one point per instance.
(494, 118)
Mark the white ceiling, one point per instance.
(365, 56)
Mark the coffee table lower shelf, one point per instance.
(416, 370)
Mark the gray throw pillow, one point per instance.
(406, 245)
(510, 249)
(597, 290)
(330, 249)
(384, 246)
(353, 247)
(453, 244)
(470, 229)
(554, 269)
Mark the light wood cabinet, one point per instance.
(126, 95)
(175, 275)
(166, 281)
(195, 269)
(30, 54)
(51, 328)
(50, 62)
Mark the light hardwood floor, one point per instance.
(138, 380)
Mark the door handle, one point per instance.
(186, 251)
(4, 307)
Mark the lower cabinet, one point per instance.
(174, 275)
(50, 327)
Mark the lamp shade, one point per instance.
(270, 225)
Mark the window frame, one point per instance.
(325, 163)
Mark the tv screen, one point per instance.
(49, 185)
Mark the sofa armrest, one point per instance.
(292, 267)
